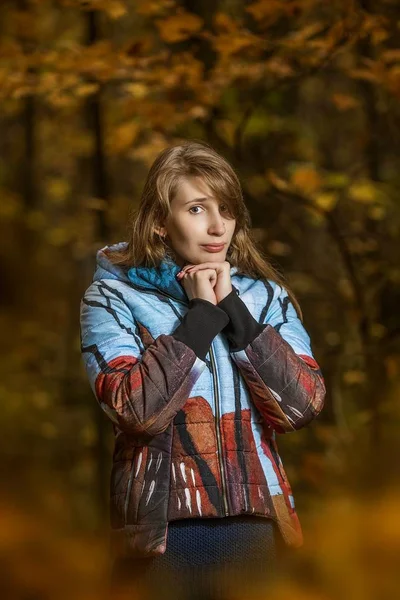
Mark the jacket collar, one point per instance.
(162, 278)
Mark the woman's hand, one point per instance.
(200, 284)
(222, 283)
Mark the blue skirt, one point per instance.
(204, 559)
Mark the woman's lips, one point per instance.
(213, 248)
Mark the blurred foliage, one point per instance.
(302, 98)
(351, 552)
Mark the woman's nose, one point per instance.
(217, 227)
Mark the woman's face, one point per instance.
(197, 219)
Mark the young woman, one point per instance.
(196, 351)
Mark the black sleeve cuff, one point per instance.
(242, 328)
(202, 322)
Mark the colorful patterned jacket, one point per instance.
(196, 393)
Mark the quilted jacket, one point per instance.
(196, 393)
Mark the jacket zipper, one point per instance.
(217, 418)
(275, 457)
(217, 428)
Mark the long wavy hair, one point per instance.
(193, 158)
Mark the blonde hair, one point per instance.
(191, 159)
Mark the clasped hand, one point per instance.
(213, 286)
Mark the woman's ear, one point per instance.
(160, 231)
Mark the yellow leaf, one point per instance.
(392, 366)
(316, 219)
(226, 128)
(57, 188)
(306, 179)
(60, 100)
(363, 74)
(151, 8)
(299, 37)
(344, 101)
(198, 112)
(86, 89)
(377, 213)
(114, 8)
(277, 65)
(88, 434)
(179, 27)
(345, 288)
(354, 376)
(363, 191)
(332, 338)
(257, 184)
(227, 44)
(40, 399)
(278, 248)
(394, 275)
(225, 23)
(269, 11)
(278, 182)
(11, 206)
(336, 179)
(377, 330)
(58, 236)
(326, 200)
(391, 55)
(48, 430)
(121, 138)
(379, 35)
(138, 90)
(96, 203)
(258, 233)
(21, 91)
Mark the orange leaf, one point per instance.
(179, 27)
(306, 179)
(344, 101)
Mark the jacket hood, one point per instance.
(162, 278)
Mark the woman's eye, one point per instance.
(197, 206)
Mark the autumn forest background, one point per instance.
(302, 97)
